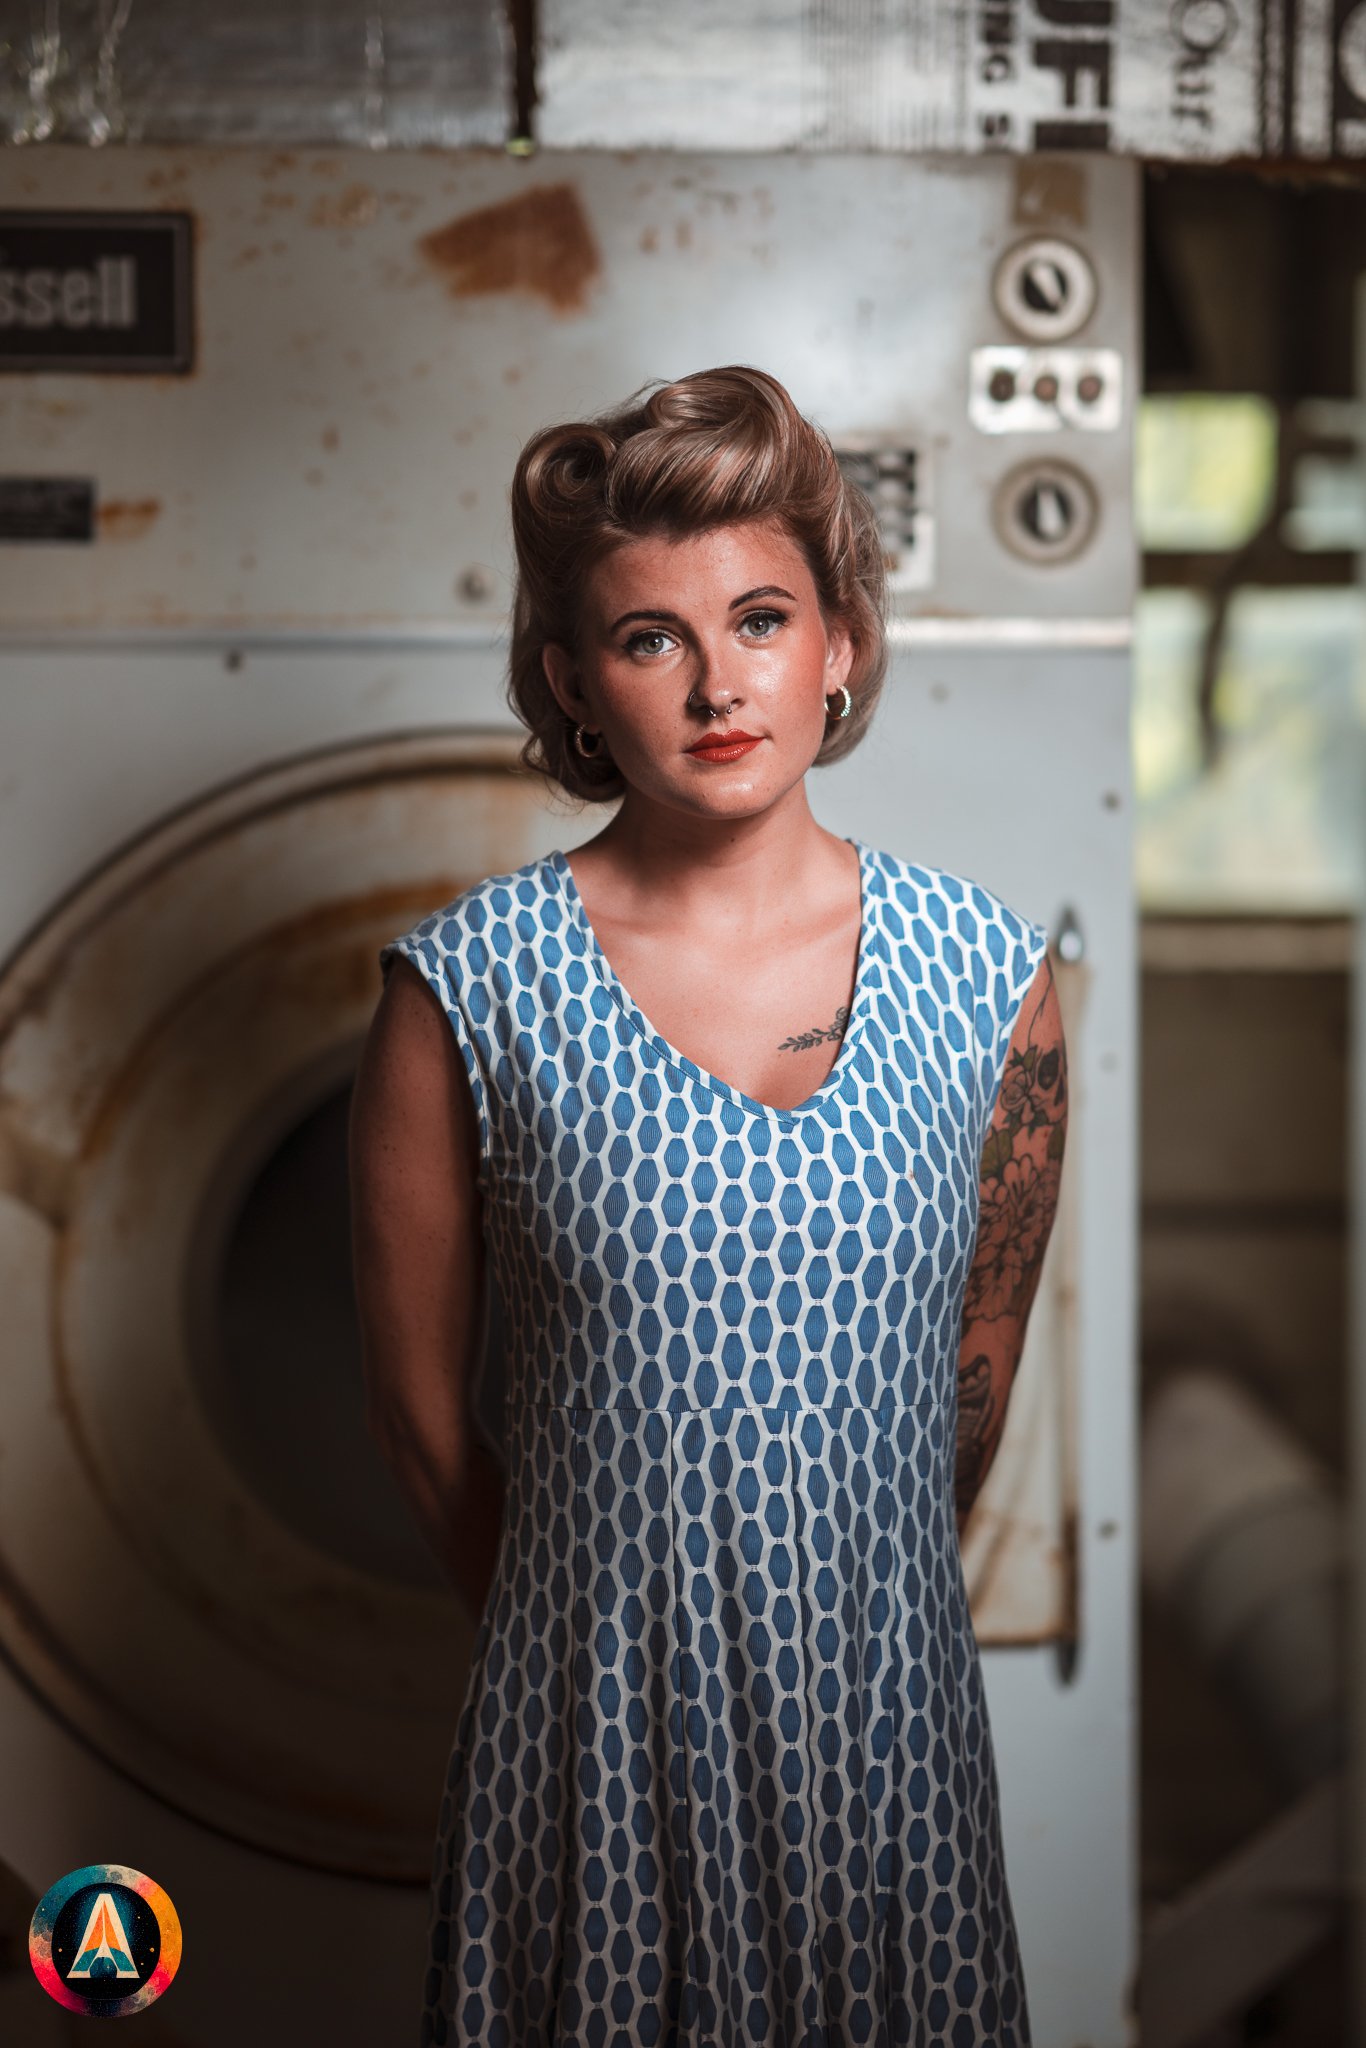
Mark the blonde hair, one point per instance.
(714, 448)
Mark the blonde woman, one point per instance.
(758, 1132)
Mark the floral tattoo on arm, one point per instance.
(1021, 1172)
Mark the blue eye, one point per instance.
(635, 642)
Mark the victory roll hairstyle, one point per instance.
(712, 449)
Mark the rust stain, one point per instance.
(683, 234)
(649, 240)
(356, 207)
(540, 241)
(348, 972)
(331, 438)
(1049, 188)
(128, 518)
(36, 1176)
(1070, 1621)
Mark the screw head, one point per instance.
(474, 584)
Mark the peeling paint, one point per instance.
(539, 242)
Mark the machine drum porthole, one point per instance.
(177, 1040)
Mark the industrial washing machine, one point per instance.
(252, 724)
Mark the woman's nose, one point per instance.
(714, 680)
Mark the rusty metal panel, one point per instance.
(382, 73)
(1200, 80)
(378, 336)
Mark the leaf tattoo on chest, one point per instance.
(804, 1040)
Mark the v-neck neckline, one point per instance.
(834, 1081)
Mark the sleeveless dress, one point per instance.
(723, 1774)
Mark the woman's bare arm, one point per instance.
(1020, 1175)
(418, 1263)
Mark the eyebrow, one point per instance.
(763, 590)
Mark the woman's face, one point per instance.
(725, 623)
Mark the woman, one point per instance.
(761, 1129)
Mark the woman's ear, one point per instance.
(560, 673)
(839, 657)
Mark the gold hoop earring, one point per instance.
(592, 753)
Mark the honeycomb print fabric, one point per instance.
(723, 1773)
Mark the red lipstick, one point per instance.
(715, 748)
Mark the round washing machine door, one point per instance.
(204, 1564)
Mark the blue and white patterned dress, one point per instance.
(723, 1774)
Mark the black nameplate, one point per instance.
(96, 291)
(47, 508)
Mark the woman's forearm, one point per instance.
(986, 1370)
(457, 1496)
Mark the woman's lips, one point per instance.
(729, 749)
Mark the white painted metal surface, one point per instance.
(376, 341)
